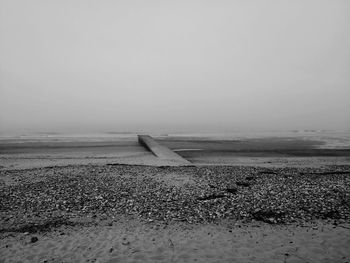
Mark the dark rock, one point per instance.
(232, 190)
(243, 183)
(34, 239)
(268, 216)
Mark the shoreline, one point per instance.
(268, 152)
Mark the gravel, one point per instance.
(40, 199)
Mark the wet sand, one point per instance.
(274, 151)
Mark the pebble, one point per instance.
(47, 197)
(34, 239)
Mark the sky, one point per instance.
(93, 66)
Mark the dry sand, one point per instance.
(137, 241)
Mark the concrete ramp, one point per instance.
(161, 151)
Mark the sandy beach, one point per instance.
(136, 241)
(174, 131)
(113, 201)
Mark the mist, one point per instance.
(94, 66)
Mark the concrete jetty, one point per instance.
(161, 151)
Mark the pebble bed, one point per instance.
(39, 199)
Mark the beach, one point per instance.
(174, 131)
(279, 199)
(135, 241)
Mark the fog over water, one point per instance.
(193, 66)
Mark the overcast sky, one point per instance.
(219, 65)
